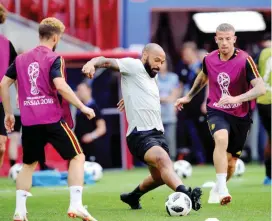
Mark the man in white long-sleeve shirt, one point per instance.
(145, 131)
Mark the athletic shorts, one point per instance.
(62, 138)
(3, 131)
(18, 124)
(237, 128)
(265, 114)
(139, 142)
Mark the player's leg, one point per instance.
(151, 182)
(157, 157)
(3, 135)
(231, 165)
(265, 114)
(3, 140)
(33, 141)
(220, 129)
(67, 145)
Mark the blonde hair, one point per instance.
(50, 26)
(3, 14)
(225, 27)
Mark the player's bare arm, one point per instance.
(257, 91)
(5, 94)
(99, 62)
(199, 83)
(67, 93)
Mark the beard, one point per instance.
(152, 72)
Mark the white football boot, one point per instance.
(80, 212)
(225, 198)
(214, 196)
(19, 216)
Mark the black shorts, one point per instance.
(237, 128)
(62, 138)
(18, 124)
(265, 114)
(139, 142)
(3, 131)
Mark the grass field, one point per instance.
(251, 200)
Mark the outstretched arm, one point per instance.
(200, 82)
(99, 62)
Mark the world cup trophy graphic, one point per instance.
(33, 73)
(223, 80)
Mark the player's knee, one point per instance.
(31, 166)
(80, 158)
(162, 159)
(221, 141)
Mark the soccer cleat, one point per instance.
(225, 198)
(214, 196)
(80, 212)
(195, 196)
(19, 217)
(267, 181)
(133, 202)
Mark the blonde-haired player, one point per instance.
(40, 74)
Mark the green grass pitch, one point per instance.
(251, 200)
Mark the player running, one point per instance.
(40, 74)
(145, 131)
(233, 82)
(7, 55)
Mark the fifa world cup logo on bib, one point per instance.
(33, 73)
(223, 80)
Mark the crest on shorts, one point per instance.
(33, 73)
(212, 126)
(223, 80)
(239, 153)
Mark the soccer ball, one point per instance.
(178, 204)
(14, 170)
(183, 168)
(93, 169)
(239, 168)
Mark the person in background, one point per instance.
(264, 62)
(189, 118)
(88, 131)
(169, 88)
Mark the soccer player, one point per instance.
(7, 55)
(264, 62)
(233, 82)
(45, 116)
(145, 131)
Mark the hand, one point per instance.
(228, 100)
(89, 112)
(9, 122)
(88, 69)
(203, 108)
(87, 138)
(121, 105)
(181, 101)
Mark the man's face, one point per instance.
(188, 55)
(154, 62)
(225, 41)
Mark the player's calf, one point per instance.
(3, 140)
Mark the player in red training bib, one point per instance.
(234, 84)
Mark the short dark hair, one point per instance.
(50, 26)
(3, 14)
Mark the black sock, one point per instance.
(12, 162)
(182, 189)
(267, 163)
(137, 193)
(43, 166)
